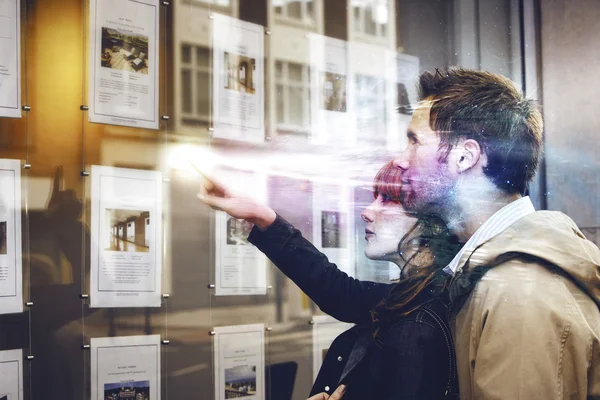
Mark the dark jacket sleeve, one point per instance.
(344, 298)
(415, 362)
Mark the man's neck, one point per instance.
(471, 212)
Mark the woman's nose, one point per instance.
(368, 215)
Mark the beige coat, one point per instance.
(526, 313)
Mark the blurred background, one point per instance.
(550, 48)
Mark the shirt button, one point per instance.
(340, 358)
(327, 388)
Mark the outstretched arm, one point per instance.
(337, 294)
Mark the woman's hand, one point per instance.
(337, 395)
(219, 197)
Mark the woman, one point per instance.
(401, 346)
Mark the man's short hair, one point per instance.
(490, 109)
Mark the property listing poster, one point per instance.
(238, 80)
(332, 105)
(239, 362)
(126, 367)
(406, 74)
(126, 236)
(10, 59)
(333, 224)
(325, 330)
(11, 374)
(123, 88)
(11, 273)
(240, 268)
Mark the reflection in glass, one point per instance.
(310, 10)
(186, 91)
(371, 17)
(186, 53)
(370, 25)
(202, 56)
(278, 69)
(296, 107)
(280, 109)
(295, 72)
(203, 95)
(294, 9)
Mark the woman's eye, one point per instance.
(384, 197)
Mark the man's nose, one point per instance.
(402, 161)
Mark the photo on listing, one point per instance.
(239, 73)
(3, 241)
(124, 51)
(137, 390)
(129, 230)
(238, 231)
(240, 381)
(333, 89)
(333, 229)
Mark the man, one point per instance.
(526, 286)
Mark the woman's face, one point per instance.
(387, 223)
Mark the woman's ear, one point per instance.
(469, 156)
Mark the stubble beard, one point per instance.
(435, 197)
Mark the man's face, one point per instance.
(428, 184)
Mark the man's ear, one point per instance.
(469, 156)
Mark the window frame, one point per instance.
(358, 30)
(287, 83)
(304, 21)
(194, 68)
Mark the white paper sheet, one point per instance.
(332, 92)
(11, 375)
(240, 268)
(11, 273)
(325, 330)
(124, 62)
(128, 366)
(10, 59)
(126, 238)
(239, 362)
(333, 224)
(238, 81)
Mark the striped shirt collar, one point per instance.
(497, 223)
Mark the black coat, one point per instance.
(411, 357)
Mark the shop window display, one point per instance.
(296, 102)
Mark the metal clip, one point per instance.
(212, 333)
(26, 108)
(84, 108)
(85, 173)
(84, 296)
(166, 295)
(29, 304)
(211, 286)
(165, 117)
(85, 347)
(166, 342)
